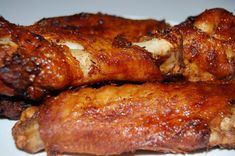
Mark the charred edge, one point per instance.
(121, 42)
(38, 37)
(18, 72)
(12, 107)
(174, 78)
(231, 101)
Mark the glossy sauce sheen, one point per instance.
(43, 65)
(175, 118)
(209, 43)
(106, 26)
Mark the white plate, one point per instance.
(26, 12)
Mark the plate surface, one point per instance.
(26, 12)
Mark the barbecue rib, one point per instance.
(30, 65)
(175, 117)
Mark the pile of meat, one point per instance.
(105, 85)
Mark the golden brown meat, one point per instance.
(201, 49)
(103, 25)
(166, 48)
(165, 54)
(209, 45)
(31, 66)
(89, 48)
(29, 62)
(176, 117)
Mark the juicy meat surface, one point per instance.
(209, 45)
(31, 66)
(103, 25)
(174, 117)
(64, 57)
(29, 62)
(202, 48)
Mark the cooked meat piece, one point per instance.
(201, 49)
(11, 108)
(103, 25)
(29, 62)
(174, 117)
(166, 48)
(86, 48)
(167, 55)
(31, 66)
(209, 45)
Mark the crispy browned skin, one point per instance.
(201, 49)
(120, 30)
(177, 118)
(70, 29)
(209, 45)
(103, 25)
(30, 66)
(29, 62)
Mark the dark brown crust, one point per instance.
(11, 107)
(43, 66)
(207, 40)
(222, 22)
(173, 118)
(22, 69)
(103, 25)
(5, 90)
(205, 45)
(31, 55)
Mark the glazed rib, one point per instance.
(175, 117)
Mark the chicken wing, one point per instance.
(209, 45)
(88, 48)
(201, 49)
(175, 117)
(67, 29)
(31, 66)
(103, 25)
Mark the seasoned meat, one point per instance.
(209, 45)
(32, 66)
(175, 117)
(57, 53)
(202, 48)
(103, 25)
